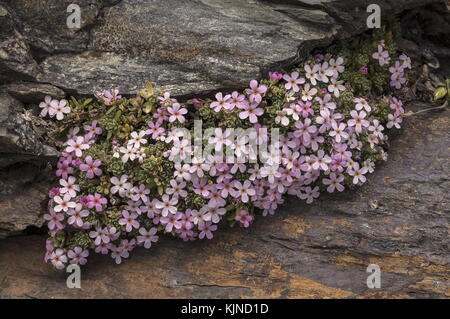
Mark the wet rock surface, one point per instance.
(398, 220)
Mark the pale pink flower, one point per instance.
(129, 221)
(221, 102)
(334, 182)
(167, 205)
(147, 237)
(177, 113)
(255, 92)
(77, 145)
(358, 120)
(251, 111)
(293, 81)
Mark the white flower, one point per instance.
(336, 66)
(167, 205)
(137, 139)
(64, 203)
(128, 153)
(182, 172)
(335, 87)
(312, 75)
(362, 103)
(61, 109)
(282, 117)
(325, 72)
(307, 93)
(220, 139)
(48, 106)
(69, 186)
(121, 185)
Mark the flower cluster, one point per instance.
(54, 108)
(131, 173)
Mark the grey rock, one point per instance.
(24, 175)
(17, 137)
(23, 190)
(398, 220)
(186, 47)
(16, 61)
(31, 92)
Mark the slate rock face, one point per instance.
(24, 175)
(186, 47)
(398, 220)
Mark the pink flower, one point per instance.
(96, 201)
(140, 193)
(206, 229)
(334, 182)
(405, 60)
(171, 221)
(338, 132)
(69, 186)
(64, 203)
(357, 173)
(244, 218)
(147, 237)
(236, 100)
(312, 74)
(309, 194)
(220, 138)
(305, 108)
(129, 221)
(363, 70)
(394, 120)
(48, 106)
(336, 66)
(321, 161)
(54, 220)
(275, 76)
(304, 130)
(255, 91)
(221, 102)
(358, 121)
(362, 104)
(92, 130)
(78, 256)
(397, 105)
(243, 191)
(176, 189)
(58, 258)
(61, 109)
(251, 111)
(76, 216)
(91, 167)
(77, 145)
(336, 87)
(155, 129)
(397, 81)
(177, 113)
(166, 99)
(377, 128)
(381, 55)
(107, 97)
(167, 205)
(293, 81)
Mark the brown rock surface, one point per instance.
(398, 220)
